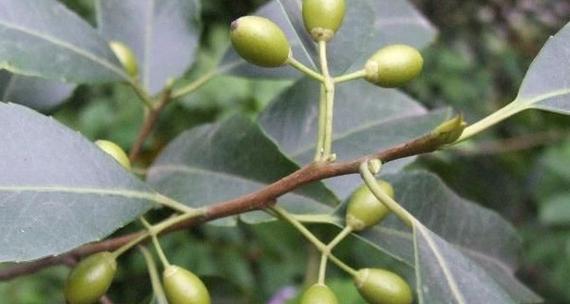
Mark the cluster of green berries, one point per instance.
(261, 42)
(91, 278)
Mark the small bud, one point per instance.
(379, 286)
(182, 287)
(90, 278)
(450, 130)
(394, 66)
(260, 41)
(115, 151)
(323, 18)
(319, 294)
(364, 209)
(126, 57)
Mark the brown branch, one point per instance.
(149, 123)
(249, 202)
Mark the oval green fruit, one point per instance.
(379, 286)
(364, 209)
(394, 66)
(323, 18)
(126, 56)
(318, 294)
(260, 41)
(183, 287)
(115, 151)
(90, 278)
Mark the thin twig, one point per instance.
(249, 202)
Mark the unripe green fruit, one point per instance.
(364, 209)
(260, 41)
(394, 66)
(322, 18)
(318, 294)
(379, 286)
(90, 279)
(183, 287)
(126, 57)
(115, 151)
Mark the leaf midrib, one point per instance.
(65, 45)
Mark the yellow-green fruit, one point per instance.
(394, 66)
(323, 18)
(183, 287)
(379, 286)
(318, 294)
(115, 151)
(90, 279)
(260, 41)
(126, 56)
(364, 209)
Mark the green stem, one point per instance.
(349, 77)
(173, 204)
(141, 93)
(329, 99)
(312, 238)
(340, 236)
(158, 228)
(389, 202)
(496, 117)
(304, 69)
(323, 268)
(154, 277)
(155, 242)
(194, 85)
(321, 127)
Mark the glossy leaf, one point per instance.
(373, 120)
(221, 161)
(57, 189)
(368, 24)
(43, 38)
(471, 236)
(37, 93)
(162, 33)
(546, 85)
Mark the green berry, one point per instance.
(183, 287)
(90, 279)
(318, 294)
(323, 18)
(394, 66)
(379, 286)
(260, 41)
(126, 57)
(115, 151)
(364, 209)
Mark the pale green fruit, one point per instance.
(323, 18)
(364, 209)
(394, 66)
(260, 41)
(90, 278)
(115, 151)
(379, 286)
(318, 294)
(183, 287)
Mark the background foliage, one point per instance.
(476, 65)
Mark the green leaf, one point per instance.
(556, 210)
(43, 38)
(368, 119)
(163, 34)
(462, 228)
(37, 93)
(368, 24)
(221, 161)
(57, 189)
(444, 275)
(546, 85)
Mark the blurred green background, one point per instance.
(520, 168)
